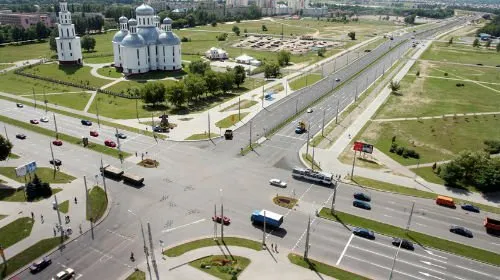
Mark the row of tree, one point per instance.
(422, 11)
(492, 27)
(9, 33)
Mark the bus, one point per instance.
(112, 172)
(312, 175)
(132, 179)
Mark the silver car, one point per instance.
(278, 183)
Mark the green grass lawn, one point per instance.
(475, 73)
(305, 81)
(324, 268)
(221, 272)
(64, 206)
(12, 195)
(428, 174)
(74, 100)
(15, 231)
(461, 54)
(201, 136)
(417, 237)
(13, 156)
(29, 255)
(230, 120)
(69, 73)
(17, 84)
(208, 242)
(244, 104)
(434, 139)
(98, 203)
(109, 71)
(45, 174)
(159, 75)
(7, 65)
(99, 59)
(308, 158)
(379, 185)
(124, 86)
(103, 44)
(12, 53)
(122, 108)
(137, 275)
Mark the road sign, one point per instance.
(26, 169)
(363, 147)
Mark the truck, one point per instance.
(272, 219)
(132, 179)
(228, 135)
(301, 127)
(492, 226)
(112, 172)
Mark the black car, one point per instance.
(363, 232)
(361, 204)
(471, 208)
(40, 265)
(405, 244)
(160, 129)
(20, 136)
(19, 105)
(121, 135)
(57, 162)
(86, 122)
(461, 231)
(362, 196)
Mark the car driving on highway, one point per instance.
(94, 133)
(86, 122)
(56, 162)
(19, 105)
(361, 204)
(278, 183)
(57, 143)
(461, 231)
(362, 196)
(218, 219)
(33, 121)
(110, 143)
(405, 244)
(40, 265)
(68, 273)
(471, 208)
(363, 232)
(44, 119)
(121, 135)
(20, 136)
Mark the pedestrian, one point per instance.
(80, 227)
(76, 200)
(142, 156)
(276, 247)
(349, 136)
(32, 216)
(41, 218)
(54, 231)
(135, 154)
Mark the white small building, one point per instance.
(246, 59)
(69, 50)
(216, 54)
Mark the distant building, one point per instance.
(246, 59)
(216, 54)
(7, 17)
(69, 50)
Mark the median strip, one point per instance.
(417, 237)
(324, 268)
(64, 137)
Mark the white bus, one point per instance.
(312, 175)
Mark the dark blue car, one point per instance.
(363, 232)
(362, 196)
(86, 122)
(361, 204)
(470, 207)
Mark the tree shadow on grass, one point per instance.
(202, 104)
(312, 266)
(70, 69)
(155, 108)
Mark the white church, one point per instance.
(69, 50)
(141, 46)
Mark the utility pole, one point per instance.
(307, 144)
(119, 146)
(55, 126)
(239, 108)
(153, 259)
(34, 98)
(264, 232)
(6, 135)
(323, 125)
(296, 105)
(401, 241)
(262, 96)
(337, 114)
(222, 217)
(312, 161)
(45, 101)
(306, 250)
(353, 161)
(88, 209)
(137, 108)
(59, 218)
(215, 222)
(332, 209)
(250, 136)
(103, 179)
(53, 159)
(208, 124)
(97, 111)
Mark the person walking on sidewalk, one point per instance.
(32, 216)
(76, 200)
(41, 218)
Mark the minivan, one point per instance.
(445, 201)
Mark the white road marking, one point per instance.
(384, 267)
(78, 276)
(389, 208)
(432, 253)
(475, 271)
(387, 216)
(430, 275)
(495, 243)
(457, 218)
(422, 225)
(192, 223)
(345, 249)
(431, 264)
(120, 235)
(296, 138)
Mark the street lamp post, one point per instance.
(222, 217)
(146, 253)
(55, 126)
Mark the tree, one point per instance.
(321, 52)
(475, 44)
(212, 81)
(36, 188)
(498, 47)
(264, 28)
(88, 43)
(41, 31)
(410, 19)
(394, 86)
(271, 70)
(176, 94)
(450, 41)
(488, 44)
(226, 81)
(5, 148)
(214, 23)
(195, 86)
(221, 37)
(284, 57)
(153, 93)
(352, 35)
(239, 75)
(52, 39)
(236, 30)
(199, 67)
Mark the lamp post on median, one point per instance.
(146, 253)
(221, 217)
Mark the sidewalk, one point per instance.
(263, 265)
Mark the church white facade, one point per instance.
(69, 50)
(141, 46)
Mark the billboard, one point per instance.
(22, 170)
(363, 147)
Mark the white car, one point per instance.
(68, 273)
(309, 110)
(44, 119)
(278, 183)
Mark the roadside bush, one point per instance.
(393, 148)
(185, 39)
(404, 152)
(493, 146)
(446, 74)
(400, 150)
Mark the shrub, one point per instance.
(400, 150)
(203, 265)
(446, 74)
(393, 148)
(493, 146)
(185, 39)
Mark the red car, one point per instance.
(110, 143)
(94, 133)
(218, 219)
(57, 143)
(34, 121)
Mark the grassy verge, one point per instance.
(413, 192)
(230, 120)
(201, 136)
(207, 242)
(64, 137)
(324, 268)
(78, 116)
(305, 81)
(98, 203)
(64, 206)
(15, 231)
(428, 174)
(14, 195)
(29, 255)
(417, 237)
(221, 266)
(248, 149)
(285, 201)
(137, 275)
(244, 104)
(13, 156)
(45, 174)
(310, 161)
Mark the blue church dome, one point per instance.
(167, 20)
(150, 34)
(169, 39)
(120, 35)
(144, 10)
(133, 41)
